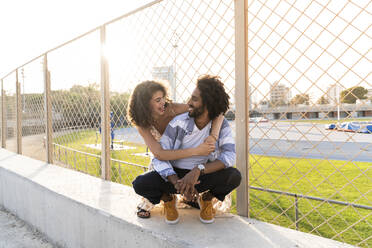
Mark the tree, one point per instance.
(322, 100)
(352, 94)
(277, 103)
(80, 105)
(301, 99)
(118, 105)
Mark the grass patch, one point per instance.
(338, 180)
(123, 172)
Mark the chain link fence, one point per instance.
(76, 104)
(187, 39)
(9, 108)
(308, 65)
(30, 78)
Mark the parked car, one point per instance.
(230, 115)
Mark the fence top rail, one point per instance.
(96, 156)
(128, 163)
(77, 151)
(132, 12)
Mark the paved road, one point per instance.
(306, 140)
(285, 139)
(361, 151)
(14, 233)
(301, 140)
(303, 132)
(32, 146)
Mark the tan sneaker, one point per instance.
(206, 210)
(170, 210)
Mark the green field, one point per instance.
(121, 173)
(337, 180)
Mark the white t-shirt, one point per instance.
(192, 140)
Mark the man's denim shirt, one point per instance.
(173, 136)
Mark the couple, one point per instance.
(196, 153)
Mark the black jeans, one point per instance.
(220, 183)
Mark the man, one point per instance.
(213, 175)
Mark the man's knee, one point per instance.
(235, 177)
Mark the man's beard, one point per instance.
(196, 112)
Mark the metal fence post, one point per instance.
(242, 111)
(48, 112)
(18, 115)
(75, 160)
(296, 211)
(66, 160)
(3, 116)
(105, 109)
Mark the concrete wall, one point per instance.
(69, 213)
(76, 210)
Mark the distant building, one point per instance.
(279, 93)
(326, 111)
(369, 94)
(363, 101)
(263, 104)
(166, 73)
(249, 97)
(333, 94)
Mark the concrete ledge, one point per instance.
(77, 210)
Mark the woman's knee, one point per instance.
(138, 184)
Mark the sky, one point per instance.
(309, 45)
(29, 28)
(134, 45)
(330, 42)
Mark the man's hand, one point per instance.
(177, 186)
(188, 182)
(173, 179)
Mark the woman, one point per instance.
(150, 111)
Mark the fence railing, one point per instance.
(296, 196)
(291, 67)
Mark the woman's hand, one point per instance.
(205, 148)
(211, 139)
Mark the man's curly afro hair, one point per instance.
(213, 94)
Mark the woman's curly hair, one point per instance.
(139, 110)
(213, 95)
